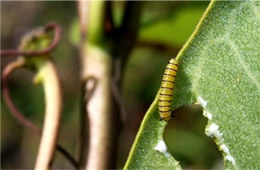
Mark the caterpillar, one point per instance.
(166, 90)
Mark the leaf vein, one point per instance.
(238, 55)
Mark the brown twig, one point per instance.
(108, 20)
(68, 156)
(126, 35)
(116, 90)
(110, 29)
(123, 40)
(49, 27)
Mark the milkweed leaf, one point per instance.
(219, 68)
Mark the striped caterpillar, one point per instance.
(166, 90)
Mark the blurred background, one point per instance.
(165, 27)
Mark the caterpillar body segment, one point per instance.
(166, 90)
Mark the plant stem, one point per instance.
(97, 64)
(83, 13)
(102, 121)
(53, 99)
(99, 54)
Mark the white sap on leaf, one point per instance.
(207, 115)
(228, 156)
(161, 147)
(213, 131)
(202, 102)
(224, 148)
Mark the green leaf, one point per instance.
(219, 68)
(182, 21)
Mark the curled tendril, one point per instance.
(20, 62)
(49, 27)
(14, 111)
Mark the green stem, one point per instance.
(95, 25)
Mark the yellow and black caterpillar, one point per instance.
(166, 90)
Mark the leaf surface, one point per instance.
(219, 68)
